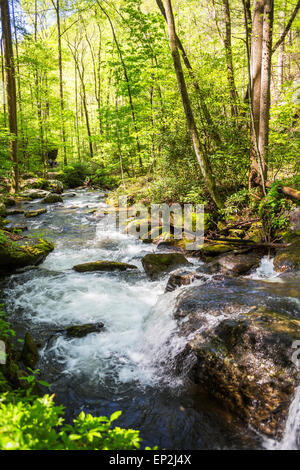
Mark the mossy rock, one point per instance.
(246, 363)
(211, 250)
(255, 233)
(55, 186)
(15, 212)
(30, 354)
(26, 252)
(79, 331)
(33, 194)
(2, 209)
(156, 264)
(236, 233)
(288, 259)
(30, 214)
(107, 266)
(239, 263)
(52, 198)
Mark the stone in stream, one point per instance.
(52, 198)
(2, 209)
(79, 331)
(15, 211)
(21, 253)
(288, 259)
(180, 278)
(68, 195)
(239, 263)
(30, 214)
(30, 354)
(157, 264)
(34, 194)
(240, 348)
(103, 266)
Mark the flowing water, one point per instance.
(128, 365)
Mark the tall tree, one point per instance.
(198, 147)
(10, 82)
(61, 84)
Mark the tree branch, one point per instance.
(287, 28)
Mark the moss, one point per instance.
(2, 209)
(15, 255)
(288, 259)
(52, 199)
(103, 266)
(31, 214)
(156, 264)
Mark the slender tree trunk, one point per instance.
(265, 84)
(128, 85)
(280, 63)
(198, 148)
(10, 90)
(256, 59)
(61, 85)
(3, 79)
(229, 61)
(205, 111)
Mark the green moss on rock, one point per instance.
(103, 266)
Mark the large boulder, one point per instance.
(21, 253)
(240, 263)
(157, 264)
(34, 194)
(179, 278)
(52, 198)
(55, 186)
(288, 259)
(240, 348)
(79, 331)
(30, 354)
(107, 266)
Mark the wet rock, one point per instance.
(239, 349)
(52, 199)
(34, 194)
(30, 214)
(15, 211)
(2, 209)
(211, 250)
(240, 263)
(68, 195)
(79, 331)
(30, 354)
(181, 278)
(100, 265)
(55, 186)
(288, 259)
(169, 245)
(26, 252)
(156, 264)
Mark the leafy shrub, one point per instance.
(272, 211)
(74, 175)
(39, 425)
(241, 200)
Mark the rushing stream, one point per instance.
(128, 365)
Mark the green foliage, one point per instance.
(241, 200)
(272, 211)
(38, 424)
(6, 331)
(74, 175)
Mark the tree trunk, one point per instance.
(229, 61)
(61, 89)
(10, 90)
(265, 83)
(198, 148)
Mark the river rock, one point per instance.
(68, 195)
(156, 264)
(288, 259)
(26, 252)
(52, 199)
(55, 186)
(180, 278)
(2, 209)
(30, 214)
(240, 263)
(34, 194)
(240, 348)
(214, 249)
(15, 212)
(79, 331)
(103, 266)
(30, 354)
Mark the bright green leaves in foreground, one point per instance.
(39, 425)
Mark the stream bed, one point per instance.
(128, 365)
